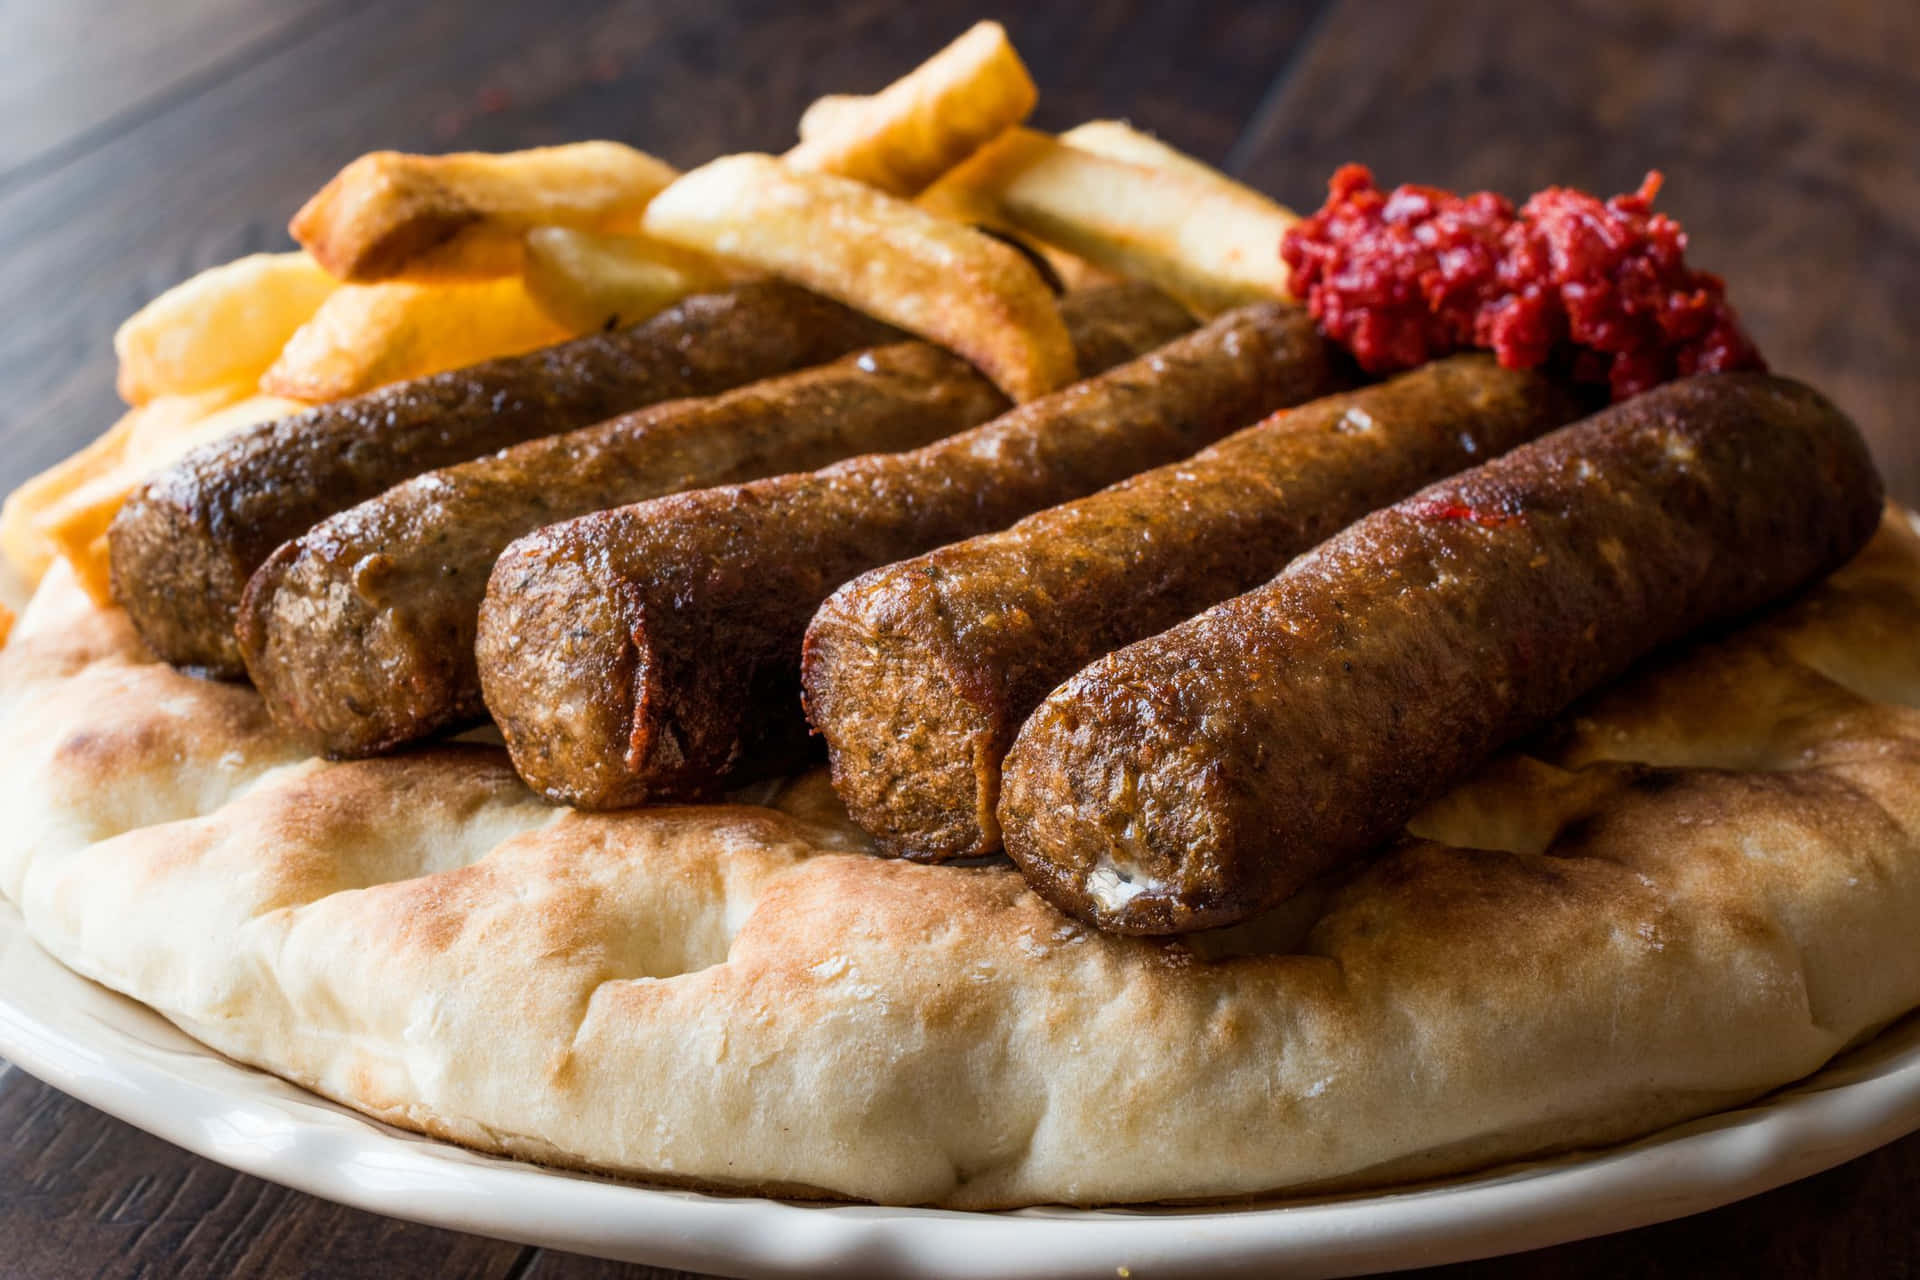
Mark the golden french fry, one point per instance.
(924, 123)
(1119, 140)
(76, 526)
(585, 280)
(824, 115)
(942, 280)
(1206, 239)
(27, 551)
(970, 191)
(21, 537)
(94, 572)
(155, 445)
(1075, 272)
(223, 326)
(478, 253)
(365, 336)
(388, 208)
(14, 591)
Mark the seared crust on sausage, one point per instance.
(360, 632)
(1196, 778)
(185, 544)
(654, 651)
(918, 674)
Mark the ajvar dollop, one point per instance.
(1401, 278)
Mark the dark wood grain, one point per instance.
(133, 153)
(73, 73)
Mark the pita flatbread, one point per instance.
(1700, 886)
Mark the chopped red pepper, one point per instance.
(1404, 277)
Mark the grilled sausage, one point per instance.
(184, 546)
(918, 674)
(360, 632)
(654, 651)
(1205, 774)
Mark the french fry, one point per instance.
(897, 141)
(157, 441)
(478, 253)
(1075, 272)
(944, 281)
(223, 326)
(387, 208)
(22, 537)
(585, 280)
(27, 551)
(365, 336)
(824, 115)
(970, 191)
(967, 193)
(75, 527)
(14, 591)
(1119, 140)
(93, 570)
(1122, 141)
(924, 123)
(1206, 239)
(6, 625)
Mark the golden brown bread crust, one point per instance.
(1704, 887)
(1201, 776)
(360, 632)
(653, 651)
(919, 674)
(185, 544)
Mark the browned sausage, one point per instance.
(185, 544)
(919, 674)
(654, 651)
(361, 630)
(1201, 776)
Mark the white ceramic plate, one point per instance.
(123, 1058)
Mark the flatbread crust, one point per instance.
(1700, 886)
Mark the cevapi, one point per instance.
(186, 542)
(360, 632)
(1201, 776)
(654, 651)
(919, 673)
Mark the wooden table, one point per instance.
(139, 146)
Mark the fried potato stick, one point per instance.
(75, 527)
(1206, 239)
(22, 536)
(924, 123)
(586, 280)
(222, 327)
(941, 280)
(365, 336)
(386, 209)
(1128, 204)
